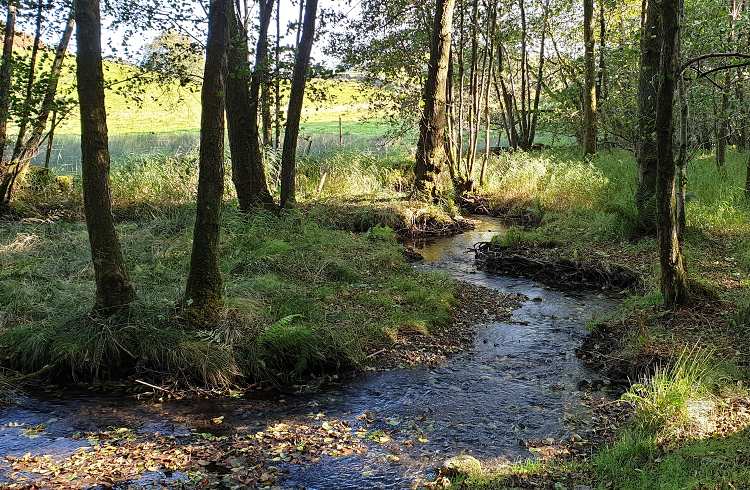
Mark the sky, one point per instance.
(289, 16)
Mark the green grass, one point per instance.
(636, 462)
(597, 198)
(666, 445)
(307, 300)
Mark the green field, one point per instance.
(165, 119)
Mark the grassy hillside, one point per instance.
(171, 108)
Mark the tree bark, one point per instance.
(203, 295)
(601, 78)
(31, 78)
(294, 111)
(242, 99)
(277, 80)
(113, 288)
(6, 70)
(589, 89)
(674, 286)
(539, 78)
(723, 132)
(431, 145)
(646, 145)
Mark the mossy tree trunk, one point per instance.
(114, 290)
(203, 294)
(248, 170)
(674, 286)
(646, 144)
(6, 70)
(296, 98)
(589, 88)
(431, 154)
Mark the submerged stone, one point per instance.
(461, 465)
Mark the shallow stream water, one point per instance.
(519, 382)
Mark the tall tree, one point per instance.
(674, 286)
(6, 70)
(431, 154)
(723, 124)
(10, 173)
(277, 81)
(113, 288)
(651, 38)
(204, 285)
(296, 98)
(589, 89)
(30, 79)
(248, 171)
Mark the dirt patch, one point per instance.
(475, 306)
(546, 266)
(513, 213)
(409, 219)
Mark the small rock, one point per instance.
(461, 465)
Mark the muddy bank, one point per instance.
(510, 213)
(544, 264)
(475, 306)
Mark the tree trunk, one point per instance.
(431, 145)
(20, 162)
(203, 294)
(589, 89)
(682, 158)
(294, 111)
(539, 78)
(277, 80)
(601, 78)
(674, 286)
(723, 132)
(646, 145)
(31, 78)
(248, 172)
(6, 70)
(113, 288)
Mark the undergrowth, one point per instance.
(300, 298)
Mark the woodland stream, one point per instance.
(521, 381)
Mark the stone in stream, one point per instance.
(462, 465)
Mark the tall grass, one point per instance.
(300, 298)
(600, 193)
(661, 399)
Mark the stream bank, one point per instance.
(518, 391)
